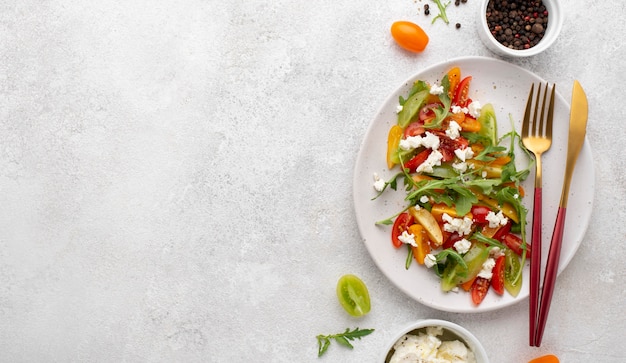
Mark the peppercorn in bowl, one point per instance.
(519, 28)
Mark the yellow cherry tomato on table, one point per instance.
(409, 36)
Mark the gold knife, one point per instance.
(577, 131)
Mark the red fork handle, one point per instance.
(535, 265)
(549, 279)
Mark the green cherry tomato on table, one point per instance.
(409, 36)
(353, 295)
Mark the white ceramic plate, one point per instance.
(505, 86)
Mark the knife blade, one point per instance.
(577, 131)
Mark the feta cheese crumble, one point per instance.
(429, 141)
(496, 220)
(436, 89)
(427, 347)
(464, 154)
(458, 109)
(430, 260)
(424, 199)
(462, 226)
(487, 269)
(462, 246)
(399, 108)
(454, 130)
(407, 238)
(379, 183)
(433, 159)
(474, 109)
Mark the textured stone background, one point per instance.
(175, 179)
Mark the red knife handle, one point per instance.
(535, 265)
(549, 279)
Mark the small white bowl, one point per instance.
(555, 24)
(458, 333)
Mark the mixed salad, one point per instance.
(464, 217)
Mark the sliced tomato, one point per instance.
(502, 231)
(479, 289)
(454, 76)
(512, 267)
(401, 224)
(451, 240)
(480, 213)
(497, 280)
(414, 129)
(462, 92)
(417, 160)
(514, 243)
(426, 113)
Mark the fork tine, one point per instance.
(544, 113)
(534, 128)
(529, 104)
(550, 114)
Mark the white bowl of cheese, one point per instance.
(433, 340)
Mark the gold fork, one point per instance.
(537, 138)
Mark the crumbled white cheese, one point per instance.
(430, 260)
(496, 220)
(407, 238)
(399, 108)
(427, 347)
(460, 167)
(474, 109)
(462, 226)
(454, 130)
(379, 183)
(436, 89)
(484, 174)
(458, 109)
(424, 199)
(464, 154)
(429, 141)
(487, 268)
(496, 252)
(433, 159)
(462, 246)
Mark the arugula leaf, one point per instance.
(323, 341)
(442, 12)
(489, 241)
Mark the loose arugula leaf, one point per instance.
(442, 12)
(323, 341)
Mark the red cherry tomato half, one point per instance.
(409, 36)
(514, 243)
(479, 289)
(402, 223)
(497, 280)
(414, 129)
(462, 92)
(417, 160)
(426, 114)
(479, 214)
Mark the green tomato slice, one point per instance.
(455, 273)
(512, 267)
(488, 125)
(353, 295)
